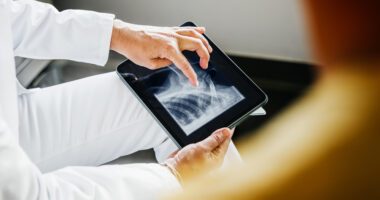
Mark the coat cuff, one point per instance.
(106, 26)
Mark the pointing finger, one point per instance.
(181, 63)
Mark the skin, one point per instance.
(157, 47)
(201, 157)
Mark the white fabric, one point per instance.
(89, 122)
(82, 36)
(7, 71)
(85, 122)
(41, 32)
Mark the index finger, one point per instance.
(181, 62)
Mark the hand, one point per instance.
(157, 47)
(200, 157)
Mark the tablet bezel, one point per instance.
(236, 113)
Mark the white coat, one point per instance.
(36, 30)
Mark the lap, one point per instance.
(85, 122)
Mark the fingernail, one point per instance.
(220, 135)
(227, 133)
(204, 64)
(196, 83)
(210, 49)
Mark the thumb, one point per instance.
(216, 139)
(222, 149)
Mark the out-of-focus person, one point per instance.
(327, 145)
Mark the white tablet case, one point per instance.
(259, 112)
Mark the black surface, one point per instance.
(283, 82)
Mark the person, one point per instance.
(327, 145)
(85, 123)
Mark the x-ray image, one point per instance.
(190, 106)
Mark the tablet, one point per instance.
(225, 95)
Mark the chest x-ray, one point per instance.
(190, 106)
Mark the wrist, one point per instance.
(115, 37)
(173, 171)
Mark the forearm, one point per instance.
(42, 32)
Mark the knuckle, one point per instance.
(185, 66)
(203, 156)
(205, 149)
(206, 42)
(198, 42)
(193, 32)
(192, 148)
(172, 34)
(154, 65)
(192, 152)
(169, 48)
(217, 138)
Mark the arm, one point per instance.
(42, 32)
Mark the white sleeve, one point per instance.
(21, 179)
(42, 32)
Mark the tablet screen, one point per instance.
(192, 107)
(223, 98)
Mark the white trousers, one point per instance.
(89, 122)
